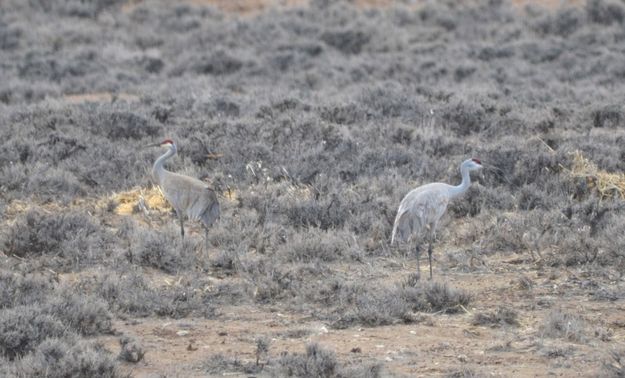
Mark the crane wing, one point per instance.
(186, 194)
(419, 213)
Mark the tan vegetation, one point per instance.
(311, 120)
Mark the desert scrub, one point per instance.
(270, 281)
(614, 366)
(58, 358)
(22, 289)
(60, 314)
(220, 363)
(119, 123)
(325, 213)
(163, 249)
(560, 324)
(320, 362)
(131, 350)
(438, 297)
(84, 314)
(375, 306)
(503, 316)
(320, 131)
(62, 239)
(129, 292)
(463, 372)
(318, 245)
(23, 328)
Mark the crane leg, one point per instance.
(430, 258)
(418, 251)
(206, 239)
(181, 226)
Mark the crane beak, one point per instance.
(152, 145)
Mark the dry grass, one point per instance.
(312, 124)
(606, 184)
(18, 207)
(127, 201)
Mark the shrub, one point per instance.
(161, 250)
(262, 348)
(377, 306)
(23, 328)
(610, 116)
(131, 350)
(68, 237)
(130, 293)
(59, 358)
(605, 12)
(22, 289)
(218, 63)
(53, 182)
(465, 118)
(615, 365)
(219, 363)
(325, 213)
(440, 297)
(118, 124)
(559, 324)
(501, 317)
(316, 245)
(346, 41)
(85, 315)
(342, 115)
(563, 23)
(319, 362)
(464, 372)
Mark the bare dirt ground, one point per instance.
(432, 344)
(436, 345)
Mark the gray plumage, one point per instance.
(422, 208)
(188, 196)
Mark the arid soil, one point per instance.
(436, 345)
(311, 120)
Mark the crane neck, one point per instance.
(158, 169)
(458, 190)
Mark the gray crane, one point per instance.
(189, 196)
(422, 208)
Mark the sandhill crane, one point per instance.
(189, 196)
(421, 209)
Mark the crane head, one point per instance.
(475, 164)
(165, 143)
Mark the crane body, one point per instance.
(421, 209)
(190, 197)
